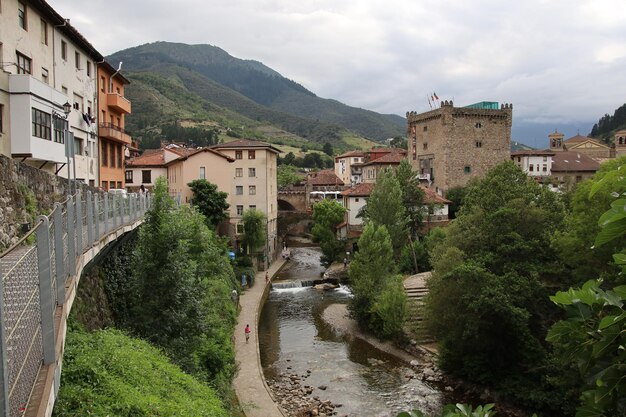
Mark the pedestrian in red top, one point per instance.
(247, 332)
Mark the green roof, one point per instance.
(484, 105)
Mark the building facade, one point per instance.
(47, 63)
(535, 163)
(253, 186)
(349, 166)
(114, 140)
(451, 145)
(144, 170)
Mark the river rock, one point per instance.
(322, 387)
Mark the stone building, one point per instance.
(620, 143)
(581, 144)
(450, 145)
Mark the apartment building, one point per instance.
(349, 166)
(46, 64)
(145, 169)
(114, 140)
(253, 185)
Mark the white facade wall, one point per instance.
(355, 204)
(137, 180)
(80, 88)
(541, 164)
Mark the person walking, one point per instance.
(267, 277)
(247, 332)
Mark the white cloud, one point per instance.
(558, 61)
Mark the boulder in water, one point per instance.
(326, 286)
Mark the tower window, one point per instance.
(478, 125)
(467, 169)
(479, 144)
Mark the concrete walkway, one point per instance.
(252, 390)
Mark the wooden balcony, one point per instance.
(109, 131)
(118, 102)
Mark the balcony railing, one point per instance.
(110, 131)
(118, 102)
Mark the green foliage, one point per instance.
(255, 229)
(399, 142)
(582, 256)
(385, 208)
(412, 255)
(328, 149)
(456, 410)
(107, 373)
(179, 292)
(243, 265)
(209, 201)
(486, 298)
(289, 159)
(327, 214)
(287, 175)
(457, 196)
(412, 196)
(379, 301)
(607, 125)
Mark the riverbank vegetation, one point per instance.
(172, 288)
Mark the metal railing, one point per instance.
(34, 274)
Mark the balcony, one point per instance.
(110, 131)
(118, 102)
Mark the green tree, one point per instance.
(399, 142)
(327, 214)
(254, 229)
(379, 301)
(287, 175)
(486, 300)
(385, 208)
(328, 149)
(412, 196)
(289, 159)
(457, 196)
(179, 291)
(209, 201)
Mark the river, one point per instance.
(294, 339)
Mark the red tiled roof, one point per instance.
(351, 153)
(324, 177)
(191, 152)
(571, 161)
(578, 139)
(360, 190)
(432, 197)
(150, 158)
(390, 158)
(389, 150)
(246, 144)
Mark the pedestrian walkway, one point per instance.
(254, 395)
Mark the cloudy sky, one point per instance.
(562, 63)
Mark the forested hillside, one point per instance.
(607, 125)
(249, 89)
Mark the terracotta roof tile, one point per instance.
(571, 161)
(324, 177)
(390, 158)
(360, 190)
(152, 158)
(432, 197)
(533, 152)
(351, 153)
(245, 144)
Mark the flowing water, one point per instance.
(293, 338)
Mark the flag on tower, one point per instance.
(435, 94)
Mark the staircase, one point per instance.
(416, 290)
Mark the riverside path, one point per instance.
(254, 395)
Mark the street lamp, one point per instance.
(69, 147)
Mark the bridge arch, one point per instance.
(284, 205)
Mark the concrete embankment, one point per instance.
(254, 395)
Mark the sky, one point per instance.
(561, 63)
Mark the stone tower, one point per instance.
(620, 143)
(451, 145)
(556, 141)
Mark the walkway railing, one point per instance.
(34, 275)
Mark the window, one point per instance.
(129, 176)
(239, 210)
(252, 207)
(467, 170)
(238, 172)
(545, 159)
(104, 114)
(88, 68)
(425, 145)
(479, 144)
(238, 154)
(23, 64)
(42, 124)
(425, 128)
(21, 15)
(251, 155)
(545, 168)
(240, 229)
(356, 199)
(119, 156)
(519, 159)
(239, 190)
(146, 176)
(252, 172)
(60, 126)
(78, 146)
(105, 185)
(478, 125)
(44, 32)
(531, 168)
(252, 189)
(44, 75)
(102, 84)
(77, 60)
(112, 184)
(202, 173)
(64, 50)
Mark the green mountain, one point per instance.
(608, 125)
(249, 89)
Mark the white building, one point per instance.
(535, 163)
(45, 64)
